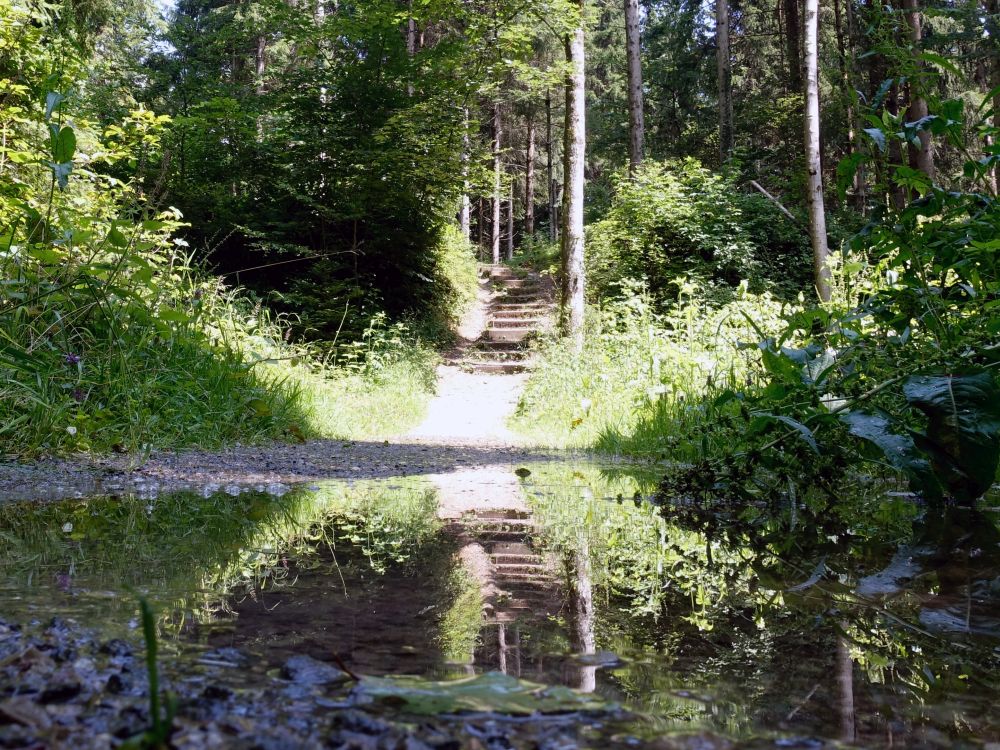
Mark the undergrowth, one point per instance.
(638, 384)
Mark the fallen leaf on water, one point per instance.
(522, 472)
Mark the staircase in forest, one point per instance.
(520, 307)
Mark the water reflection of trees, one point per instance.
(763, 613)
(190, 552)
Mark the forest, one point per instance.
(499, 373)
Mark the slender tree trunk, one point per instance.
(847, 82)
(724, 64)
(793, 44)
(529, 178)
(636, 117)
(411, 39)
(481, 228)
(465, 210)
(510, 221)
(550, 168)
(921, 157)
(575, 147)
(994, 25)
(897, 193)
(814, 166)
(497, 183)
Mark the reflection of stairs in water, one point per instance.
(522, 582)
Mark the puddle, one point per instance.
(490, 590)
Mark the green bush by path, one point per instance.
(636, 385)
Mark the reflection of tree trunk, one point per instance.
(502, 647)
(581, 609)
(845, 683)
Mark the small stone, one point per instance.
(305, 670)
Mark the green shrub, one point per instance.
(678, 219)
(636, 385)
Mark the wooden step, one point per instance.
(512, 548)
(506, 322)
(510, 335)
(499, 368)
(528, 559)
(505, 570)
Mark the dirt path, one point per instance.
(480, 382)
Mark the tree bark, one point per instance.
(465, 210)
(636, 117)
(994, 26)
(814, 166)
(847, 83)
(529, 178)
(575, 146)
(497, 180)
(725, 71)
(921, 157)
(510, 222)
(411, 39)
(793, 45)
(550, 169)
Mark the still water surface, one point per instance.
(567, 576)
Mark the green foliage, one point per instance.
(678, 219)
(637, 384)
(111, 339)
(904, 363)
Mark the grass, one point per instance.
(174, 359)
(639, 384)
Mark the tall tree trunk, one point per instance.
(497, 180)
(897, 193)
(510, 221)
(481, 228)
(636, 117)
(994, 26)
(793, 45)
(411, 39)
(725, 70)
(550, 168)
(921, 157)
(465, 210)
(847, 83)
(529, 178)
(814, 166)
(575, 146)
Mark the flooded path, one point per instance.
(560, 574)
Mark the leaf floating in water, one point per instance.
(522, 472)
(492, 692)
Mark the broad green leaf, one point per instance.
(899, 451)
(963, 429)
